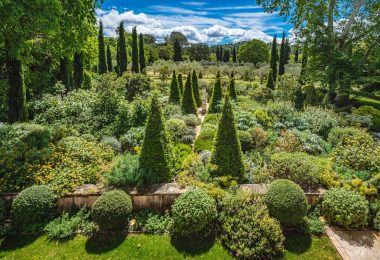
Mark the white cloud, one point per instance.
(196, 28)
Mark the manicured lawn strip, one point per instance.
(149, 247)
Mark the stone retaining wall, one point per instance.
(160, 197)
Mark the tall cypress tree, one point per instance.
(234, 58)
(174, 96)
(156, 158)
(231, 89)
(142, 53)
(17, 109)
(180, 83)
(195, 83)
(296, 55)
(135, 52)
(64, 72)
(109, 59)
(226, 153)
(217, 96)
(281, 67)
(270, 81)
(122, 57)
(78, 70)
(288, 50)
(273, 59)
(188, 104)
(102, 65)
(177, 49)
(304, 62)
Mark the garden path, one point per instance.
(355, 244)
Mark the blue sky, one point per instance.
(212, 22)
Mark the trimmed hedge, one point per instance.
(286, 202)
(33, 205)
(112, 210)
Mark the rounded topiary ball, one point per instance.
(345, 208)
(193, 214)
(112, 210)
(33, 205)
(286, 202)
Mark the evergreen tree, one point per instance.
(180, 83)
(122, 57)
(188, 104)
(135, 52)
(281, 67)
(304, 62)
(226, 153)
(231, 89)
(270, 81)
(156, 158)
(296, 55)
(78, 70)
(288, 50)
(217, 96)
(142, 54)
(234, 58)
(273, 59)
(177, 49)
(226, 56)
(174, 96)
(17, 109)
(109, 59)
(195, 83)
(298, 98)
(102, 65)
(64, 72)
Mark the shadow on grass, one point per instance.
(297, 242)
(11, 242)
(193, 247)
(102, 243)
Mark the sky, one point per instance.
(211, 22)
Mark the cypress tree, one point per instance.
(142, 54)
(188, 104)
(156, 158)
(109, 59)
(135, 52)
(234, 58)
(174, 96)
(288, 50)
(64, 72)
(195, 83)
(180, 83)
(122, 57)
(281, 67)
(270, 81)
(298, 98)
(296, 55)
(304, 62)
(232, 90)
(17, 109)
(78, 70)
(273, 59)
(217, 96)
(226, 153)
(102, 65)
(177, 49)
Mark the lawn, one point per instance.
(148, 247)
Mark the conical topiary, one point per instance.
(227, 154)
(217, 96)
(156, 158)
(180, 83)
(195, 83)
(270, 81)
(174, 96)
(231, 89)
(188, 104)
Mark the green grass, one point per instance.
(148, 247)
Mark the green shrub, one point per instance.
(194, 213)
(338, 134)
(176, 129)
(67, 226)
(246, 228)
(33, 205)
(286, 202)
(124, 172)
(303, 169)
(112, 210)
(371, 111)
(345, 208)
